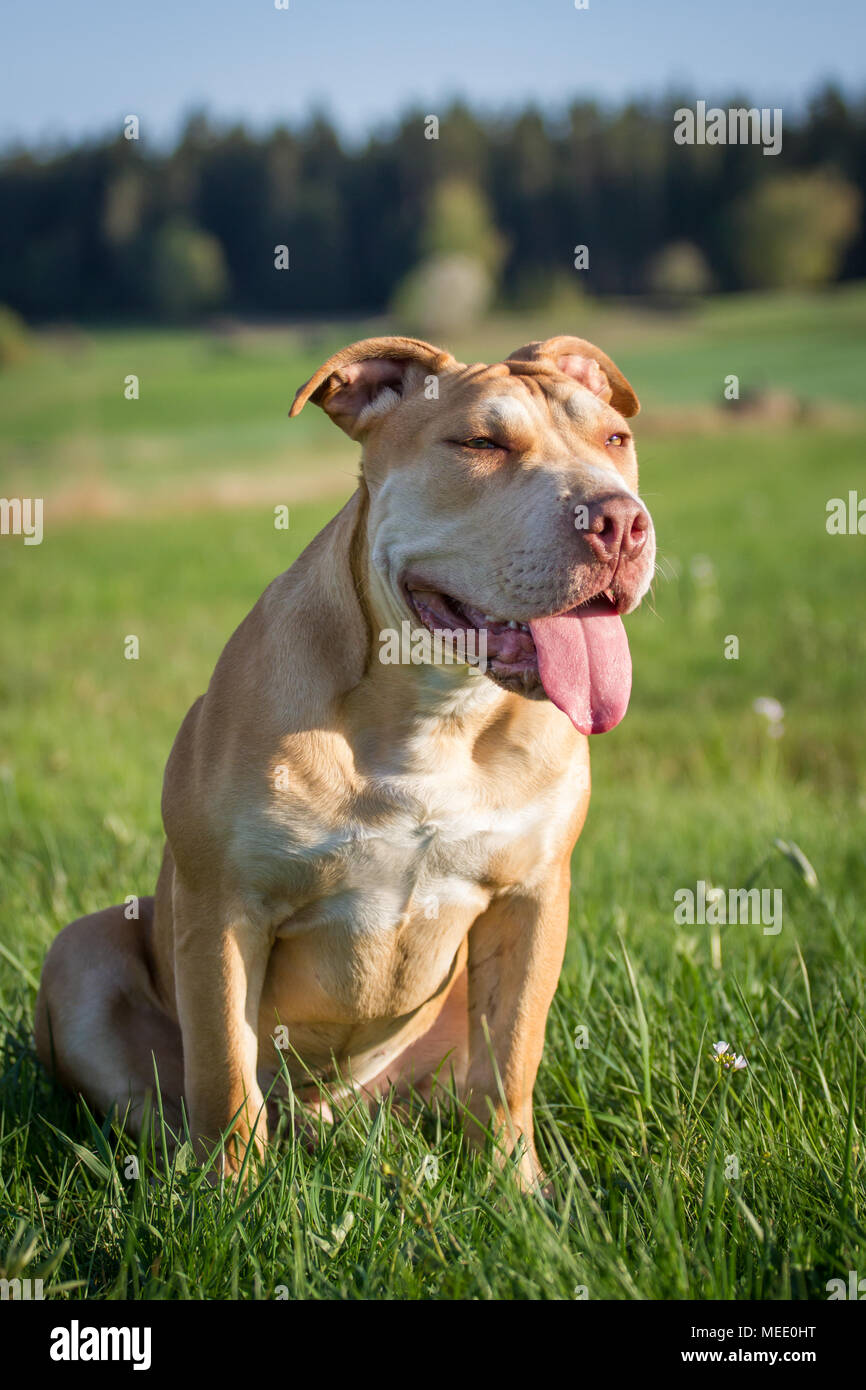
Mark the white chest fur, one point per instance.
(370, 913)
(409, 845)
(370, 880)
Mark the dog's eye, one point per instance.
(478, 441)
(617, 440)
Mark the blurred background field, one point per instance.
(211, 422)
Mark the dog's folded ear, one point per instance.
(585, 363)
(367, 379)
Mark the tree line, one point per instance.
(296, 222)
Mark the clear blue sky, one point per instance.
(76, 67)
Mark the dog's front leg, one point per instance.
(220, 965)
(516, 950)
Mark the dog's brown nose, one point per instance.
(617, 528)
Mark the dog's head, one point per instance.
(503, 498)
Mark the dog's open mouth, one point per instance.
(579, 659)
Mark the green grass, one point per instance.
(636, 1128)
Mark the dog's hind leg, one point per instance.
(100, 1024)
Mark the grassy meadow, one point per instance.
(671, 1181)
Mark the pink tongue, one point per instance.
(585, 667)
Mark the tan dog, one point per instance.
(375, 856)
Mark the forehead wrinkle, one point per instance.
(476, 372)
(557, 391)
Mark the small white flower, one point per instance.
(771, 709)
(728, 1060)
(773, 712)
